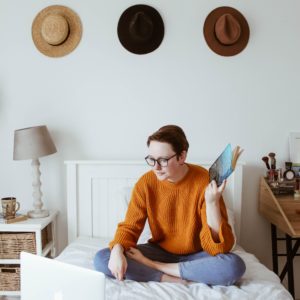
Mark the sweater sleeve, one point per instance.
(128, 231)
(226, 238)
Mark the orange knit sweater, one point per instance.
(176, 214)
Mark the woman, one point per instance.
(191, 237)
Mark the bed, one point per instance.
(97, 196)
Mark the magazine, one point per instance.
(224, 164)
(17, 218)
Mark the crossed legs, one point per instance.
(151, 263)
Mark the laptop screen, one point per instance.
(48, 279)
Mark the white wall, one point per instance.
(101, 102)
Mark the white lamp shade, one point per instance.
(32, 143)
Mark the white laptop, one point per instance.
(48, 279)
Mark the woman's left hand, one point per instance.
(135, 254)
(214, 193)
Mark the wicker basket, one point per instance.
(9, 277)
(12, 243)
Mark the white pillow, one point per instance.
(231, 222)
(146, 233)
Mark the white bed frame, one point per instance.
(95, 190)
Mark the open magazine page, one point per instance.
(222, 167)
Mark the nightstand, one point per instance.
(36, 236)
(283, 212)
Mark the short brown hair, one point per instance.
(173, 135)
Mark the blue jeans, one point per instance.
(222, 269)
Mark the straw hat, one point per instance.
(140, 29)
(226, 31)
(56, 30)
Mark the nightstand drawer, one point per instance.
(12, 243)
(9, 277)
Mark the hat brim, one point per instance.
(73, 39)
(125, 37)
(211, 39)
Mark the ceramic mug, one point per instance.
(9, 207)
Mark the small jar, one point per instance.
(297, 188)
(279, 175)
(271, 175)
(297, 184)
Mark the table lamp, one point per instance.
(33, 143)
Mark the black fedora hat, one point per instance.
(140, 29)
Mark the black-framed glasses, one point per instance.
(162, 162)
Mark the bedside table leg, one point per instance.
(274, 248)
(289, 261)
(54, 238)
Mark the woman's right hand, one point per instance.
(117, 263)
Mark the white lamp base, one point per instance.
(37, 212)
(43, 213)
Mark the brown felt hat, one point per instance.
(140, 29)
(56, 30)
(226, 31)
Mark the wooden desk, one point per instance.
(282, 211)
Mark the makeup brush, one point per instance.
(266, 160)
(273, 160)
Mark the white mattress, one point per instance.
(258, 282)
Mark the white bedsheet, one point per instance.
(258, 281)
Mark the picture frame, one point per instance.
(294, 145)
